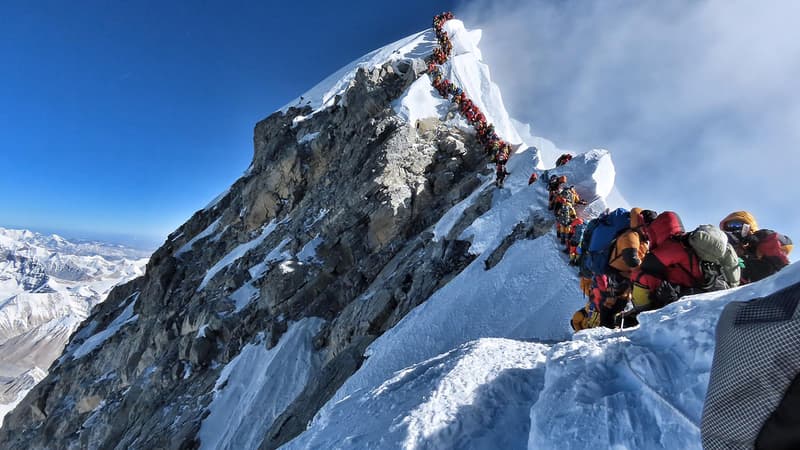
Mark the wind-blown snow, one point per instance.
(323, 94)
(125, 317)
(237, 253)
(257, 386)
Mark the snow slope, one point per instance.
(484, 387)
(639, 388)
(461, 370)
(257, 386)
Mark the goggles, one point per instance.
(735, 226)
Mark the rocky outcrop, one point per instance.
(331, 220)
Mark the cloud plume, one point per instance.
(697, 100)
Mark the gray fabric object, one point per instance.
(756, 358)
(711, 244)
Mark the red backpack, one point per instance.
(664, 226)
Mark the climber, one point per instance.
(469, 115)
(670, 270)
(606, 299)
(763, 252)
(533, 178)
(564, 217)
(493, 147)
(616, 293)
(738, 226)
(767, 252)
(567, 195)
(578, 227)
(479, 117)
(563, 159)
(554, 186)
(631, 246)
(500, 170)
(466, 105)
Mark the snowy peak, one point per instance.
(364, 284)
(48, 285)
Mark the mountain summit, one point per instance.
(365, 285)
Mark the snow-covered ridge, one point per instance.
(325, 92)
(421, 385)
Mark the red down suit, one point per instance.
(669, 260)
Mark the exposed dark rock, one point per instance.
(350, 213)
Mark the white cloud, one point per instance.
(697, 100)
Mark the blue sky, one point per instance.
(121, 119)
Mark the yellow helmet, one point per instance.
(734, 222)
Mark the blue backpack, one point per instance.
(606, 230)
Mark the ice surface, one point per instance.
(257, 386)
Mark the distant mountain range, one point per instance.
(48, 286)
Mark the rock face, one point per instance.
(329, 221)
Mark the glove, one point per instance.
(667, 293)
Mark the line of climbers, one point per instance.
(637, 257)
(647, 260)
(485, 132)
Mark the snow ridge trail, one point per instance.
(486, 134)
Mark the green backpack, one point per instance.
(711, 246)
